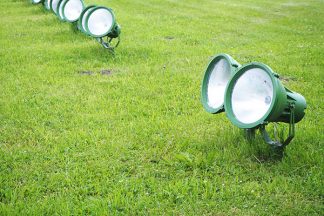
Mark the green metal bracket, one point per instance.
(115, 33)
(291, 134)
(107, 44)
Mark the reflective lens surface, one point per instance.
(72, 10)
(36, 1)
(100, 21)
(252, 95)
(217, 82)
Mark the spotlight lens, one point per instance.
(252, 95)
(72, 10)
(100, 21)
(217, 82)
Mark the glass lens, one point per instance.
(73, 9)
(252, 95)
(217, 82)
(100, 21)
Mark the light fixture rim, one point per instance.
(65, 18)
(229, 89)
(92, 11)
(46, 4)
(80, 26)
(204, 87)
(58, 10)
(51, 7)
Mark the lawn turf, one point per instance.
(76, 139)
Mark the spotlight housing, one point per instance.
(37, 1)
(72, 9)
(60, 9)
(54, 5)
(81, 21)
(100, 22)
(47, 4)
(217, 75)
(255, 97)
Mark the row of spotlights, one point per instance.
(96, 21)
(251, 95)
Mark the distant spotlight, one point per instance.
(81, 21)
(37, 1)
(47, 4)
(255, 97)
(218, 73)
(60, 9)
(54, 5)
(100, 22)
(72, 10)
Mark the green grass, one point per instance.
(138, 141)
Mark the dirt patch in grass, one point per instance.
(287, 78)
(106, 72)
(83, 73)
(169, 37)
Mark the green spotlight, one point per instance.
(255, 97)
(72, 9)
(81, 21)
(217, 75)
(100, 22)
(47, 4)
(60, 9)
(54, 5)
(37, 1)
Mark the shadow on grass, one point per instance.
(262, 152)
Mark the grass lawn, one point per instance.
(83, 131)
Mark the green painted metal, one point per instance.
(60, 9)
(53, 9)
(92, 10)
(46, 4)
(282, 99)
(115, 33)
(204, 89)
(82, 16)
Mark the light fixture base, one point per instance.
(115, 33)
(291, 133)
(107, 44)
